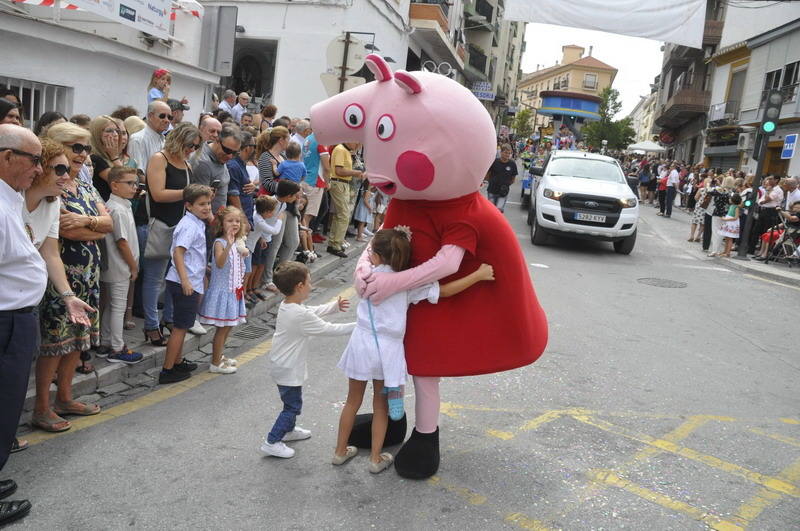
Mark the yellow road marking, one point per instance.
(766, 498)
(790, 421)
(771, 482)
(159, 395)
(608, 477)
(472, 497)
(677, 435)
(781, 284)
(504, 435)
(525, 522)
(777, 436)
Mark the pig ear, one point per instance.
(407, 82)
(378, 67)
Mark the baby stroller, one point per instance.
(787, 246)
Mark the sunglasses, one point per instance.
(192, 145)
(60, 169)
(229, 151)
(35, 159)
(80, 148)
(165, 115)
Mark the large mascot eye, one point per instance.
(385, 127)
(354, 116)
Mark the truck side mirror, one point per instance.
(537, 170)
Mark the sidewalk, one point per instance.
(129, 380)
(676, 231)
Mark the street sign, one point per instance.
(789, 144)
(356, 54)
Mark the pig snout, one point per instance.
(339, 119)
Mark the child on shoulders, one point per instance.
(295, 325)
(375, 350)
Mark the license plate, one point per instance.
(590, 217)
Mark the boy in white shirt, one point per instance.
(121, 260)
(295, 325)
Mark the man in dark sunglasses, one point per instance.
(147, 142)
(23, 275)
(210, 163)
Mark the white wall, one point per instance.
(101, 73)
(304, 35)
(749, 19)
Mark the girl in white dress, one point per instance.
(375, 350)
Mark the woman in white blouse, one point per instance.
(41, 215)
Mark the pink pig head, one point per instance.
(424, 135)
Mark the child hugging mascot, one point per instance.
(428, 143)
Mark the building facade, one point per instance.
(642, 116)
(576, 79)
(755, 55)
(72, 61)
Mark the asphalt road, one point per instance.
(652, 408)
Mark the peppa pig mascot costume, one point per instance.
(428, 143)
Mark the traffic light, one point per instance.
(772, 111)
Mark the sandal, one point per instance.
(85, 368)
(348, 455)
(383, 464)
(155, 337)
(18, 445)
(76, 408)
(129, 325)
(55, 425)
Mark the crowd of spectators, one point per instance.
(720, 202)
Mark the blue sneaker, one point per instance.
(395, 400)
(125, 356)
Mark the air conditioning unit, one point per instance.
(746, 141)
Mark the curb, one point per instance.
(112, 378)
(776, 276)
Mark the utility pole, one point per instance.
(772, 111)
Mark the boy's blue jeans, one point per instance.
(292, 398)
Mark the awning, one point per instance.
(679, 21)
(647, 146)
(721, 150)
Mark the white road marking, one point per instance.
(540, 266)
(705, 267)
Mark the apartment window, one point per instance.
(790, 73)
(590, 81)
(773, 80)
(565, 81)
(548, 84)
(37, 98)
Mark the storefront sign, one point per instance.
(148, 16)
(789, 144)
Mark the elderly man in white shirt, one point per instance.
(241, 107)
(228, 101)
(149, 141)
(23, 275)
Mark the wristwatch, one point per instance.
(68, 293)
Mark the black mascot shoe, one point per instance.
(361, 436)
(419, 456)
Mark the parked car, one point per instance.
(586, 196)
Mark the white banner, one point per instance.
(149, 16)
(676, 21)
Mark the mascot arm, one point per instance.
(446, 262)
(362, 272)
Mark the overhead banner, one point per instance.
(676, 21)
(149, 16)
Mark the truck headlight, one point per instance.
(552, 194)
(628, 203)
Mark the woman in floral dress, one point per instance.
(83, 221)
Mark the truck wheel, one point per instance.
(538, 236)
(525, 201)
(625, 246)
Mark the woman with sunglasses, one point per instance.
(83, 220)
(41, 215)
(9, 113)
(167, 176)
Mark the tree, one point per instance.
(522, 123)
(619, 134)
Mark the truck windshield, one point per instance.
(599, 170)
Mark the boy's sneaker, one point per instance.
(277, 449)
(222, 368)
(125, 355)
(368, 232)
(102, 351)
(297, 434)
(197, 329)
(184, 366)
(346, 244)
(168, 376)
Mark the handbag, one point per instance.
(159, 234)
(706, 201)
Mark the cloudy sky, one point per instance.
(638, 60)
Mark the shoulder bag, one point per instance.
(159, 234)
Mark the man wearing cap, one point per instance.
(23, 275)
(177, 108)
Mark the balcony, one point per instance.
(685, 104)
(484, 9)
(723, 114)
(480, 15)
(712, 32)
(475, 68)
(435, 10)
